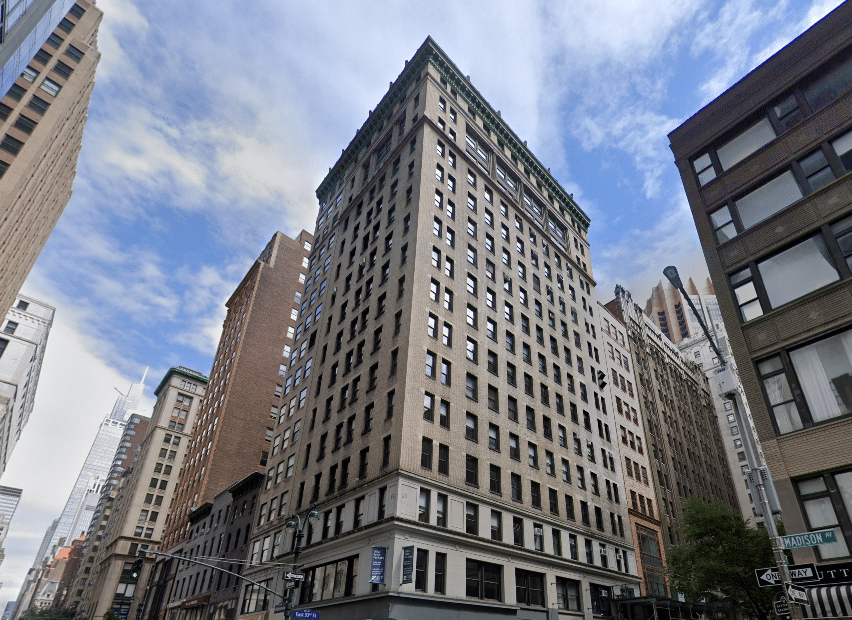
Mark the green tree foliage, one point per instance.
(717, 558)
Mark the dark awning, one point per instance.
(829, 602)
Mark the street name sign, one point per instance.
(809, 539)
(782, 609)
(799, 573)
(797, 594)
(306, 613)
(294, 576)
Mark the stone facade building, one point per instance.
(447, 352)
(683, 440)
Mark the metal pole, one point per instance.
(769, 518)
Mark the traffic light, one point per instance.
(137, 568)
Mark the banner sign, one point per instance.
(377, 565)
(408, 564)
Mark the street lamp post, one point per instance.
(759, 471)
(295, 523)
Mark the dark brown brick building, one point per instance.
(765, 169)
(232, 436)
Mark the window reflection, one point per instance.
(803, 268)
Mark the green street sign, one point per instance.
(809, 539)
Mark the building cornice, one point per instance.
(430, 53)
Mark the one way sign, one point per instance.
(799, 573)
(797, 594)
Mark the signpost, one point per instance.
(294, 576)
(306, 613)
(809, 539)
(799, 573)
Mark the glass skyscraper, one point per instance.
(75, 517)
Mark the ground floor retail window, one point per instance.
(600, 596)
(330, 580)
(652, 563)
(484, 580)
(529, 588)
(568, 594)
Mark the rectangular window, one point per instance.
(483, 580)
(529, 588)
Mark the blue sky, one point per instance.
(210, 129)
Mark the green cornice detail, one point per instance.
(183, 371)
(430, 53)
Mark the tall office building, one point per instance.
(9, 498)
(101, 506)
(670, 312)
(765, 167)
(447, 351)
(683, 438)
(626, 393)
(140, 504)
(234, 431)
(48, 52)
(22, 345)
(77, 514)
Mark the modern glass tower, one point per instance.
(97, 465)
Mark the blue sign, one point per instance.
(377, 565)
(280, 607)
(306, 613)
(408, 564)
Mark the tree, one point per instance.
(717, 559)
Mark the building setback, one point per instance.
(23, 341)
(683, 440)
(43, 110)
(667, 308)
(233, 435)
(765, 167)
(448, 347)
(140, 504)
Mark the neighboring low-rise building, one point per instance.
(219, 535)
(138, 513)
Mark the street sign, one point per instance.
(809, 539)
(306, 613)
(280, 607)
(782, 609)
(797, 594)
(294, 576)
(799, 573)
